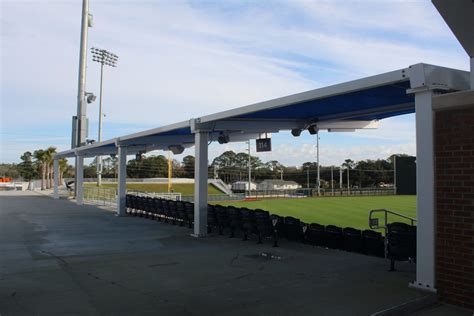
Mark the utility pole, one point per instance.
(332, 180)
(81, 119)
(340, 178)
(317, 158)
(281, 174)
(348, 183)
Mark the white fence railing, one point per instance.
(161, 195)
(100, 196)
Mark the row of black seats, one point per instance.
(350, 239)
(258, 223)
(175, 212)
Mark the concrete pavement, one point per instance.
(60, 258)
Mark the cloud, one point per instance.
(185, 59)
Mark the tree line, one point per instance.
(229, 167)
(37, 165)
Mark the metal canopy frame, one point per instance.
(347, 106)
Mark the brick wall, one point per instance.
(454, 150)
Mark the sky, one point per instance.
(185, 59)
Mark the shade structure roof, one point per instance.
(349, 105)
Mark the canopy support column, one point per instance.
(200, 184)
(79, 180)
(425, 199)
(122, 183)
(56, 179)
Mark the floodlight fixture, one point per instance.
(176, 149)
(90, 97)
(313, 129)
(223, 139)
(296, 132)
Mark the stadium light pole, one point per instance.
(103, 57)
(79, 128)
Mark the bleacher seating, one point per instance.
(401, 238)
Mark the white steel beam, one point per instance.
(200, 184)
(122, 183)
(79, 180)
(348, 125)
(425, 198)
(157, 140)
(56, 179)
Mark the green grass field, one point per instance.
(183, 188)
(340, 211)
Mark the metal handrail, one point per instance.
(104, 196)
(374, 222)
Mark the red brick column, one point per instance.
(454, 151)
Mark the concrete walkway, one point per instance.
(59, 258)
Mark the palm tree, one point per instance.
(63, 166)
(40, 156)
(50, 151)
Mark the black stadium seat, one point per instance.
(235, 220)
(401, 243)
(280, 225)
(211, 218)
(264, 224)
(352, 239)
(140, 205)
(373, 243)
(173, 208)
(334, 237)
(222, 218)
(128, 203)
(181, 211)
(249, 222)
(189, 208)
(315, 235)
(160, 209)
(293, 229)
